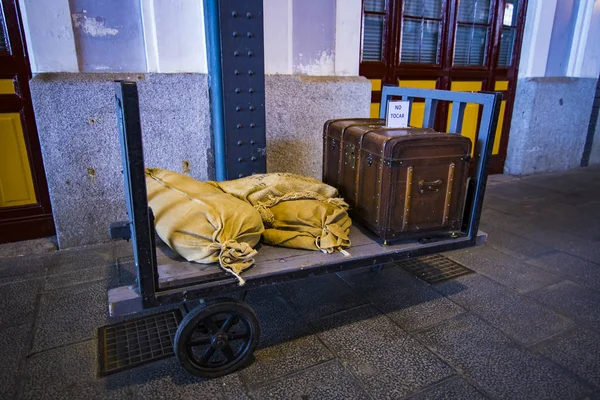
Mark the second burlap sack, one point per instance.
(297, 211)
(201, 222)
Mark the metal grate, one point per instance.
(435, 268)
(128, 344)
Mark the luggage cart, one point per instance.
(219, 336)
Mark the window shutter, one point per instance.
(3, 37)
(372, 37)
(507, 43)
(420, 36)
(471, 39)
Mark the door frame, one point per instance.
(32, 220)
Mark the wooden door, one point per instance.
(25, 211)
(431, 44)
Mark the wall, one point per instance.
(75, 113)
(558, 72)
(321, 38)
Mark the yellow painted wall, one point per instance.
(16, 183)
(469, 127)
(7, 86)
(500, 85)
(418, 108)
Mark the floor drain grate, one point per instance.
(435, 268)
(128, 344)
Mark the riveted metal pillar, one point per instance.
(235, 46)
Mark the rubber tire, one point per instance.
(193, 318)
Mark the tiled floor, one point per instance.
(525, 325)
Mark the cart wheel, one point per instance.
(217, 338)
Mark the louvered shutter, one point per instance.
(420, 36)
(3, 37)
(373, 29)
(471, 37)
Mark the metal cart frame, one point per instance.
(153, 290)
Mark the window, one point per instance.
(374, 19)
(421, 31)
(472, 31)
(509, 32)
(3, 36)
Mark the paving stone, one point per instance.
(21, 268)
(506, 222)
(70, 373)
(388, 361)
(70, 314)
(107, 273)
(514, 245)
(325, 381)
(526, 193)
(18, 301)
(582, 248)
(409, 301)
(577, 350)
(518, 316)
(287, 344)
(320, 296)
(80, 258)
(570, 267)
(504, 268)
(572, 299)
(455, 388)
(496, 364)
(166, 379)
(28, 248)
(13, 348)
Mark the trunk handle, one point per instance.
(430, 187)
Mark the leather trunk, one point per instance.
(400, 183)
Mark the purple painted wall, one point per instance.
(313, 36)
(108, 35)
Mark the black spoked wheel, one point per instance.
(217, 338)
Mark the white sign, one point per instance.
(397, 114)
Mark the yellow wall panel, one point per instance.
(469, 127)
(501, 85)
(374, 110)
(496, 148)
(16, 184)
(7, 86)
(417, 84)
(418, 109)
(375, 85)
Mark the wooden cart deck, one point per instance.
(176, 275)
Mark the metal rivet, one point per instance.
(252, 142)
(239, 126)
(238, 108)
(250, 90)
(236, 72)
(240, 175)
(250, 54)
(237, 90)
(251, 108)
(235, 34)
(253, 158)
(252, 125)
(240, 159)
(234, 14)
(250, 72)
(239, 143)
(249, 34)
(236, 53)
(249, 15)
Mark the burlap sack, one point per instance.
(298, 212)
(201, 223)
